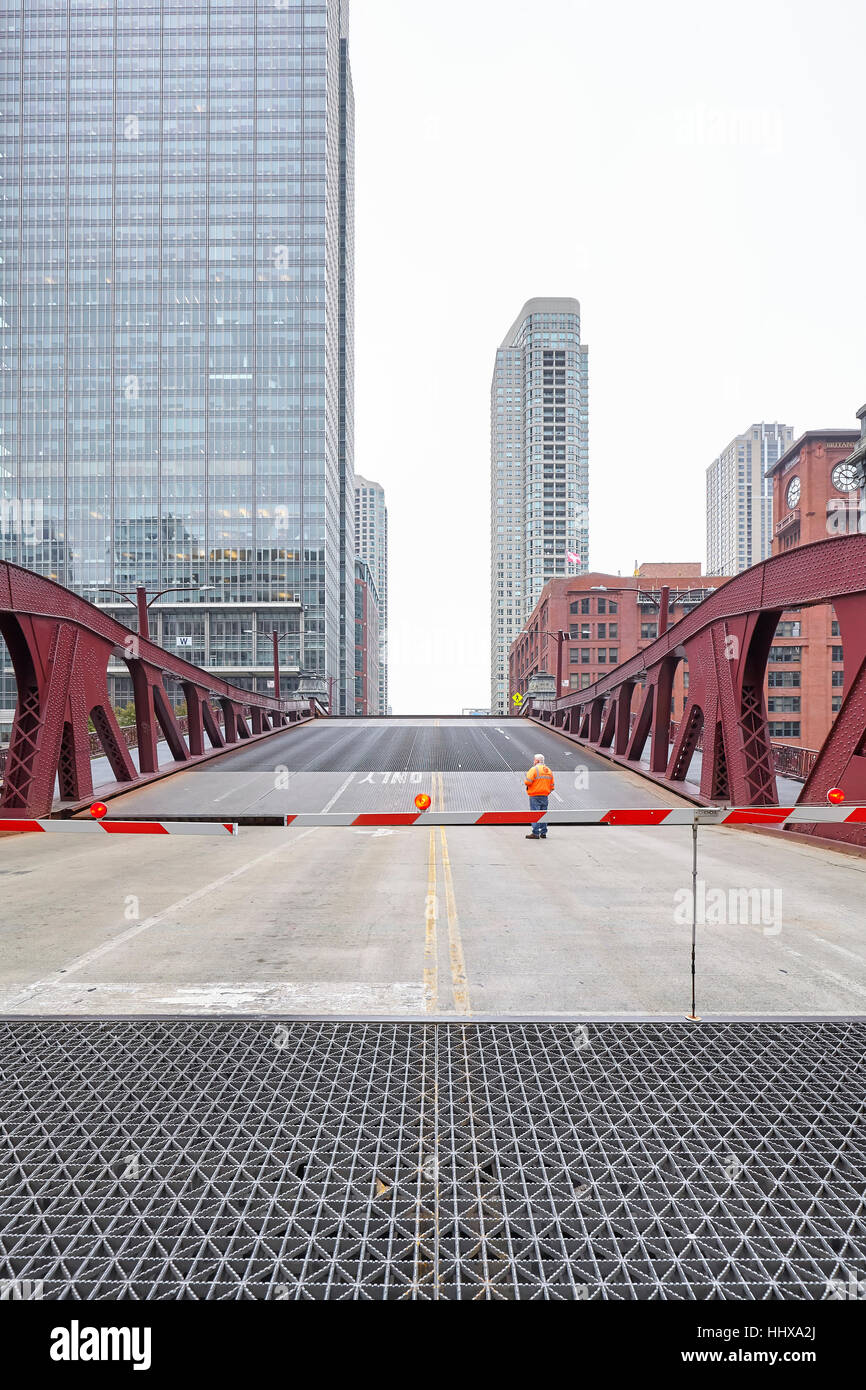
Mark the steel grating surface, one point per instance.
(338, 1160)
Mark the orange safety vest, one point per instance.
(539, 780)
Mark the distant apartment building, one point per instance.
(818, 491)
(539, 469)
(371, 540)
(366, 693)
(609, 618)
(740, 498)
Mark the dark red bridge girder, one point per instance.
(726, 641)
(60, 647)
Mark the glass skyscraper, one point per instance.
(539, 470)
(177, 305)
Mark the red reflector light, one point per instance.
(836, 796)
(98, 810)
(422, 801)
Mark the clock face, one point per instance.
(846, 476)
(792, 496)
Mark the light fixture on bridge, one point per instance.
(312, 686)
(835, 796)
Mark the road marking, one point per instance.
(338, 793)
(227, 996)
(843, 951)
(256, 777)
(459, 983)
(844, 982)
(80, 962)
(431, 948)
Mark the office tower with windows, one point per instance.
(177, 287)
(740, 498)
(371, 538)
(539, 476)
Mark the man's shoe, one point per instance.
(532, 837)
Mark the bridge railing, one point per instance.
(726, 641)
(60, 646)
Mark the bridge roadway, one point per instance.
(421, 922)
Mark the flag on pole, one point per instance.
(574, 559)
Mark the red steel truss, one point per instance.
(60, 646)
(726, 641)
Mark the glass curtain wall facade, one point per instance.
(177, 295)
(371, 536)
(539, 475)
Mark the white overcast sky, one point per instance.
(693, 174)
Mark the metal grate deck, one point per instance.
(324, 1159)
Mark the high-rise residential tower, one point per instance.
(371, 539)
(178, 289)
(539, 476)
(740, 498)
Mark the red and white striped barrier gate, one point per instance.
(119, 827)
(643, 816)
(626, 815)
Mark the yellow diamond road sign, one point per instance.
(517, 698)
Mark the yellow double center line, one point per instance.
(459, 984)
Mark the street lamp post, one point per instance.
(561, 636)
(276, 639)
(141, 602)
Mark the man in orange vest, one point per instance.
(539, 785)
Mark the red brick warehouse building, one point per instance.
(608, 618)
(817, 492)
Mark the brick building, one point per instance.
(816, 493)
(608, 619)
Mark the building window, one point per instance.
(786, 654)
(602, 630)
(784, 728)
(649, 631)
(837, 678)
(784, 704)
(602, 656)
(585, 680)
(780, 679)
(612, 605)
(836, 703)
(837, 654)
(612, 630)
(788, 630)
(602, 605)
(613, 655)
(584, 656)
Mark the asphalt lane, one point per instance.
(421, 922)
(380, 765)
(404, 745)
(425, 922)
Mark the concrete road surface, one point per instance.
(415, 922)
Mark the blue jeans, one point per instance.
(539, 803)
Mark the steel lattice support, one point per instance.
(726, 641)
(60, 647)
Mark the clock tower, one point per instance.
(818, 488)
